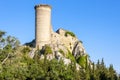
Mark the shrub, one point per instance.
(70, 56)
(62, 52)
(47, 50)
(26, 49)
(69, 33)
(82, 61)
(80, 41)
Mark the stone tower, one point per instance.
(42, 25)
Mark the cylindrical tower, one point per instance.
(42, 25)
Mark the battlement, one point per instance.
(43, 5)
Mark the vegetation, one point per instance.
(80, 41)
(82, 61)
(62, 52)
(48, 49)
(69, 33)
(70, 56)
(26, 50)
(16, 65)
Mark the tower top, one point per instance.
(43, 5)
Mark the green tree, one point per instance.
(112, 73)
(26, 50)
(2, 39)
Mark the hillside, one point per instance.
(64, 45)
(64, 59)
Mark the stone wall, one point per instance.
(42, 25)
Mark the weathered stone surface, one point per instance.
(71, 43)
(58, 41)
(61, 43)
(78, 49)
(64, 44)
(43, 25)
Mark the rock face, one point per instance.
(61, 44)
(64, 45)
(62, 40)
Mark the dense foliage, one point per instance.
(82, 61)
(15, 64)
(70, 56)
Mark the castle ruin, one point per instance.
(62, 43)
(56, 40)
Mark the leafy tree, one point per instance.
(15, 64)
(112, 73)
(2, 33)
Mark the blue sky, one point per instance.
(95, 22)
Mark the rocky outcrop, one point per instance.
(78, 49)
(68, 42)
(64, 45)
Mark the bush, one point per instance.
(82, 61)
(62, 52)
(70, 56)
(69, 33)
(26, 50)
(47, 50)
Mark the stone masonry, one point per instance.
(42, 25)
